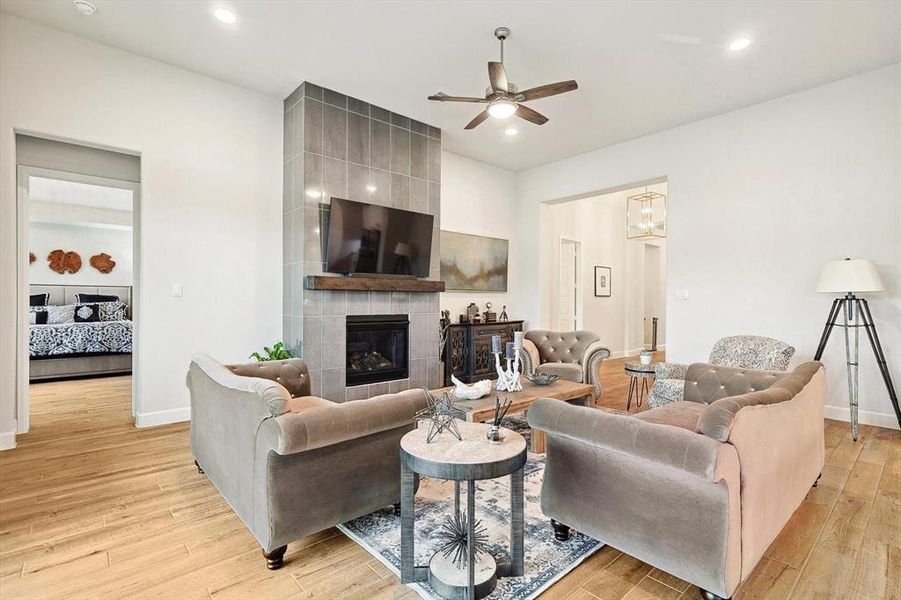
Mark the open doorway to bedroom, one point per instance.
(78, 285)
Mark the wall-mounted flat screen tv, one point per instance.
(365, 238)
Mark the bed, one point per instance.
(81, 349)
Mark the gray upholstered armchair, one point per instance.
(289, 463)
(740, 351)
(573, 355)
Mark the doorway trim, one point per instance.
(577, 300)
(23, 173)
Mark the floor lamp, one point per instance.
(849, 277)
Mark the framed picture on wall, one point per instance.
(601, 281)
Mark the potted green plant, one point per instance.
(278, 351)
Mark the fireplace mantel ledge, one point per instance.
(372, 284)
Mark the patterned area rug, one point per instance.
(546, 559)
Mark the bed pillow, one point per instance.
(91, 298)
(37, 317)
(87, 313)
(39, 299)
(57, 315)
(111, 311)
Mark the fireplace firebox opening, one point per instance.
(377, 348)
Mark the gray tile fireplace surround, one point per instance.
(338, 146)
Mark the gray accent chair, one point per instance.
(741, 351)
(698, 488)
(572, 355)
(289, 463)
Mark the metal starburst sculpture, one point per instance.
(441, 415)
(452, 537)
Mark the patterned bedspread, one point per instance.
(79, 338)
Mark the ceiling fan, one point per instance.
(503, 97)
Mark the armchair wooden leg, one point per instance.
(561, 531)
(397, 508)
(275, 558)
(711, 596)
(199, 468)
(817, 482)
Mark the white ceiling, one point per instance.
(641, 66)
(57, 191)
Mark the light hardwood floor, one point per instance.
(91, 507)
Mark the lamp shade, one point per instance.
(403, 249)
(844, 276)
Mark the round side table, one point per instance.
(638, 381)
(468, 460)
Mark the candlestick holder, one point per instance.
(501, 373)
(514, 383)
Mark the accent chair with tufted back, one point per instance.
(739, 351)
(290, 463)
(573, 355)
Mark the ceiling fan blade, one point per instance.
(524, 112)
(480, 118)
(442, 97)
(543, 91)
(497, 75)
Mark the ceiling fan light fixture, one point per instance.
(501, 109)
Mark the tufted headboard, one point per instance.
(65, 294)
(561, 346)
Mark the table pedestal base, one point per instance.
(453, 582)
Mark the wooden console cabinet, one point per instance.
(467, 352)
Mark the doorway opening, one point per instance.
(78, 282)
(623, 298)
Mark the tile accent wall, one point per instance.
(338, 146)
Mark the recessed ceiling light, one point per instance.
(739, 44)
(85, 7)
(511, 131)
(226, 16)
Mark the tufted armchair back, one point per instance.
(292, 374)
(561, 346)
(751, 352)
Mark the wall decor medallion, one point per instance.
(602, 281)
(64, 262)
(473, 262)
(103, 262)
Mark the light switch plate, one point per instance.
(176, 289)
(682, 294)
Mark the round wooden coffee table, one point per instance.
(470, 459)
(638, 382)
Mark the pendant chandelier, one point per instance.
(646, 216)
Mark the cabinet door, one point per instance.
(455, 355)
(483, 359)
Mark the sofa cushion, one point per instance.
(568, 371)
(678, 414)
(706, 383)
(302, 403)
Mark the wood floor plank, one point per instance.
(91, 507)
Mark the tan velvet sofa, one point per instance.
(698, 488)
(289, 463)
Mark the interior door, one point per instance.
(568, 286)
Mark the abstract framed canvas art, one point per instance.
(602, 281)
(473, 262)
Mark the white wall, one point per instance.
(87, 241)
(598, 222)
(481, 200)
(211, 171)
(758, 199)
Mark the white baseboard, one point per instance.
(866, 417)
(163, 417)
(8, 440)
(626, 353)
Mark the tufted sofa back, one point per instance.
(751, 352)
(561, 346)
(292, 374)
(706, 383)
